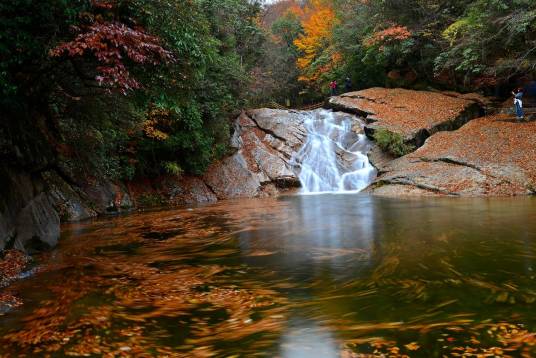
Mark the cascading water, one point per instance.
(333, 158)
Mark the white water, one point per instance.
(333, 158)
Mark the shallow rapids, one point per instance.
(334, 156)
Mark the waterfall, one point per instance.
(334, 156)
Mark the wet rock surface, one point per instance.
(32, 205)
(265, 140)
(415, 115)
(490, 156)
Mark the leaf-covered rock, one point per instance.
(490, 156)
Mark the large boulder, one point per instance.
(27, 217)
(415, 115)
(265, 140)
(490, 156)
(285, 126)
(37, 224)
(232, 178)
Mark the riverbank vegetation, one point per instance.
(135, 88)
(124, 88)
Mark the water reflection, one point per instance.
(325, 234)
(298, 276)
(305, 338)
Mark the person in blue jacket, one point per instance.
(518, 103)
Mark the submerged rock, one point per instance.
(415, 115)
(490, 156)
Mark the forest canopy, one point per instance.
(456, 44)
(140, 88)
(129, 87)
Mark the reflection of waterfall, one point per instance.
(320, 235)
(305, 338)
(333, 159)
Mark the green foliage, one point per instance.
(492, 42)
(214, 43)
(457, 44)
(188, 145)
(27, 30)
(276, 75)
(287, 29)
(173, 168)
(392, 143)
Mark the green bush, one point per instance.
(392, 143)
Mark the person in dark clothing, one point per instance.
(333, 87)
(348, 84)
(518, 103)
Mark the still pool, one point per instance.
(292, 277)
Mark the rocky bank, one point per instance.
(415, 115)
(490, 156)
(40, 192)
(458, 152)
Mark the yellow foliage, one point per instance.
(158, 119)
(456, 29)
(318, 20)
(152, 132)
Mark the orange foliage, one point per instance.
(393, 33)
(318, 20)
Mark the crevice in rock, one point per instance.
(267, 130)
(465, 164)
(211, 189)
(407, 182)
(287, 183)
(454, 162)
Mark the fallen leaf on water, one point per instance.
(413, 346)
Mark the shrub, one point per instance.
(392, 143)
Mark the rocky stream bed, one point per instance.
(459, 151)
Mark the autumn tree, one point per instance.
(110, 43)
(183, 65)
(318, 56)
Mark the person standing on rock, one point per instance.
(333, 87)
(518, 103)
(348, 84)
